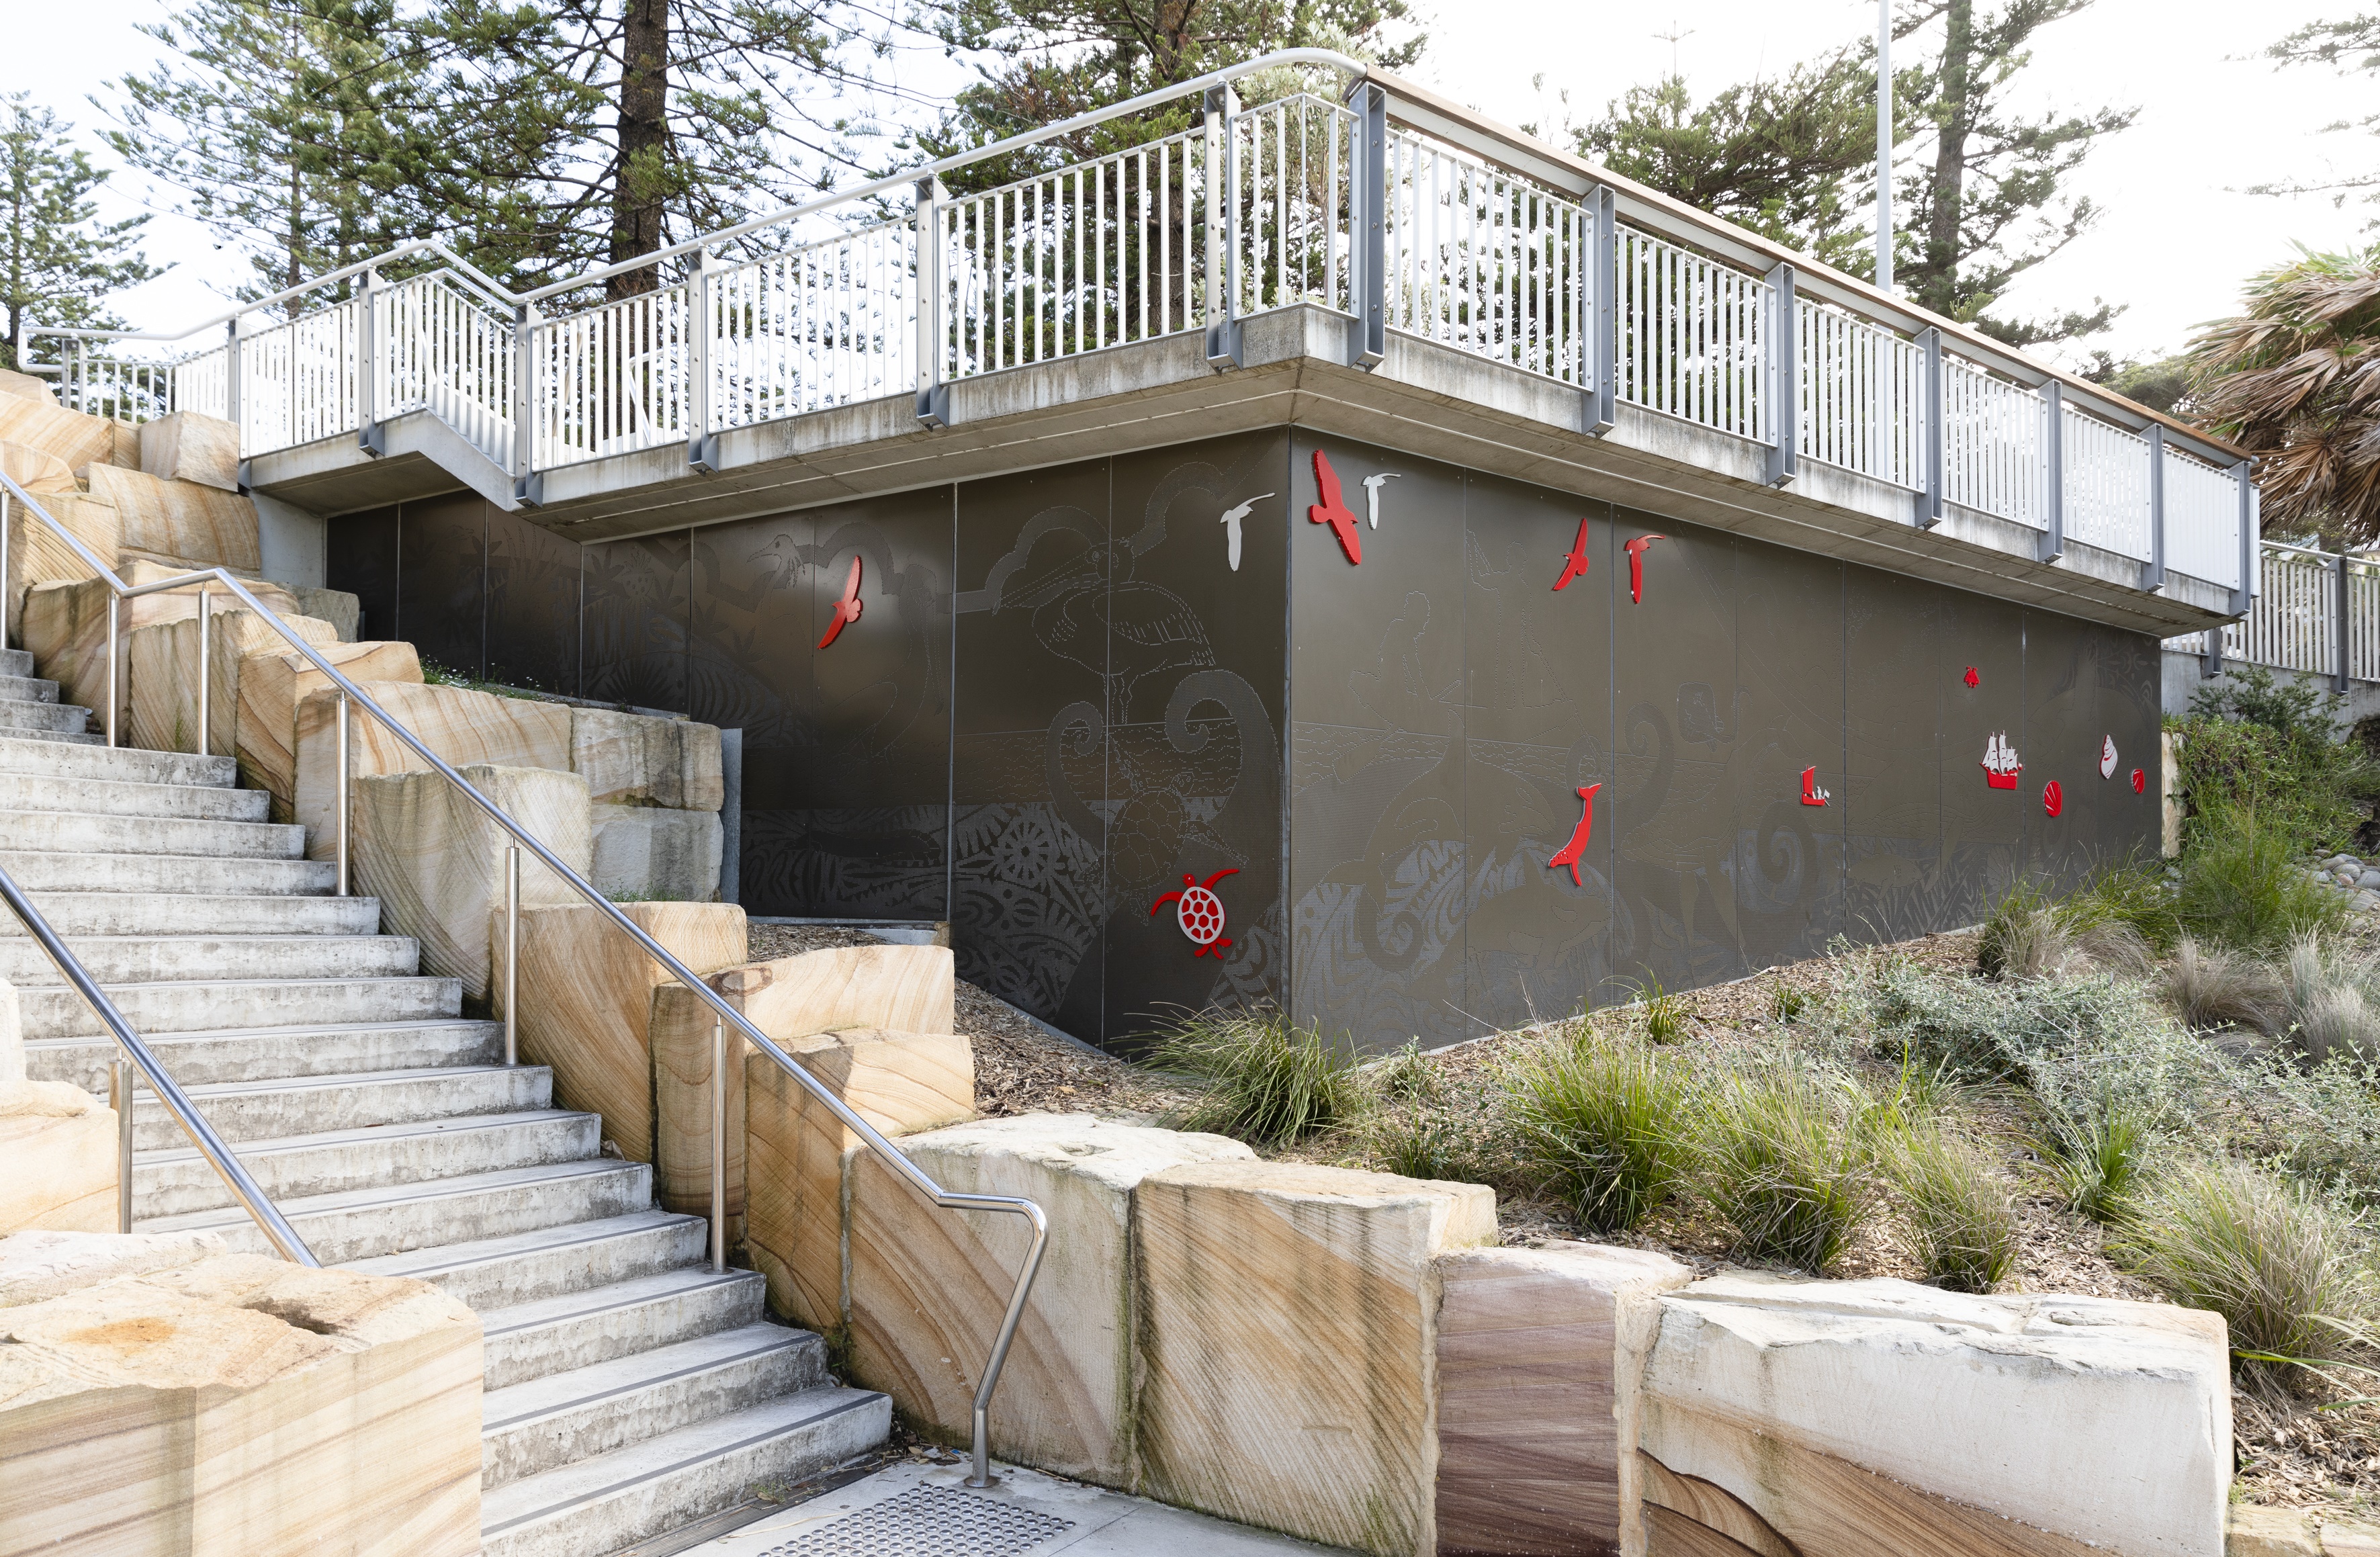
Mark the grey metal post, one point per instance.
(527, 489)
(113, 613)
(231, 384)
(120, 1098)
(2053, 449)
(341, 819)
(700, 328)
(206, 669)
(717, 1146)
(1937, 432)
(2247, 589)
(1368, 242)
(2155, 584)
(933, 395)
(1603, 277)
(2213, 654)
(1782, 332)
(1222, 229)
(7, 591)
(2338, 598)
(369, 436)
(512, 954)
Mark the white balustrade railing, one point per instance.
(2107, 486)
(613, 380)
(1863, 398)
(2294, 623)
(1994, 445)
(1694, 337)
(299, 379)
(439, 347)
(822, 324)
(2202, 518)
(1293, 166)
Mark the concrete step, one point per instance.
(59, 1012)
(264, 1053)
(513, 1269)
(157, 960)
(579, 1329)
(27, 690)
(21, 753)
(394, 1218)
(39, 792)
(615, 1500)
(177, 1181)
(53, 871)
(55, 738)
(312, 1105)
(16, 661)
(566, 1417)
(64, 719)
(170, 913)
(71, 832)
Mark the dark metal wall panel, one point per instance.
(1537, 722)
(533, 583)
(846, 748)
(639, 599)
(1897, 687)
(1197, 686)
(441, 581)
(1678, 732)
(1788, 856)
(1983, 828)
(2062, 661)
(1029, 769)
(361, 557)
(2130, 705)
(1378, 872)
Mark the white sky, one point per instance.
(2175, 243)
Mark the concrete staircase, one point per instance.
(630, 1390)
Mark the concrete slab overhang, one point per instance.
(1424, 398)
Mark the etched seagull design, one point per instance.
(1574, 560)
(846, 610)
(1333, 510)
(1232, 518)
(1372, 495)
(1636, 549)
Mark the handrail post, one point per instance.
(114, 610)
(700, 327)
(2338, 612)
(1223, 227)
(1368, 213)
(527, 490)
(206, 670)
(1602, 278)
(120, 1098)
(2053, 475)
(2247, 588)
(512, 954)
(231, 386)
(1937, 432)
(341, 821)
(7, 589)
(1783, 390)
(2154, 584)
(933, 395)
(369, 436)
(719, 1145)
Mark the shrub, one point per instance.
(2132, 895)
(2097, 1155)
(2256, 743)
(1781, 1163)
(2029, 936)
(2334, 998)
(1268, 1081)
(1663, 1015)
(1962, 1225)
(2242, 883)
(2214, 987)
(2271, 1257)
(1606, 1121)
(1405, 1076)
(1787, 1002)
(1419, 1143)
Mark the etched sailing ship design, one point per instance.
(2001, 765)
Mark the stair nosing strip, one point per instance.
(242, 1218)
(581, 1403)
(665, 1219)
(366, 1134)
(710, 1279)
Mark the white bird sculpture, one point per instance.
(1232, 518)
(1372, 495)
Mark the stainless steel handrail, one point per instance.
(259, 1205)
(901, 1165)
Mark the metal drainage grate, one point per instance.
(928, 1522)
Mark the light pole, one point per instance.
(1884, 144)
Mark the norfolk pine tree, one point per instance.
(56, 257)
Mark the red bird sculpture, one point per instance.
(1332, 511)
(1636, 567)
(1574, 560)
(1577, 845)
(846, 610)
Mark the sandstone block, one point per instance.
(25, 387)
(41, 1265)
(78, 438)
(37, 472)
(65, 626)
(37, 558)
(2257, 1531)
(587, 998)
(1863, 1418)
(161, 664)
(59, 1143)
(461, 726)
(127, 446)
(181, 519)
(643, 852)
(12, 1036)
(635, 759)
(2349, 1537)
(1288, 1344)
(1538, 1356)
(339, 608)
(188, 447)
(238, 1407)
(436, 862)
(928, 1287)
(269, 682)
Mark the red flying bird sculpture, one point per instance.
(846, 610)
(1636, 567)
(1574, 561)
(1577, 845)
(1332, 511)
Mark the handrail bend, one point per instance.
(908, 1170)
(282, 1237)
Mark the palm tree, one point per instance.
(2296, 380)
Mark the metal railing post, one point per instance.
(2340, 627)
(206, 670)
(1781, 336)
(1368, 216)
(512, 954)
(341, 821)
(369, 436)
(231, 386)
(2247, 588)
(2154, 584)
(719, 1145)
(1222, 229)
(7, 587)
(2053, 476)
(112, 617)
(120, 1098)
(933, 395)
(1603, 275)
(528, 490)
(1938, 433)
(700, 327)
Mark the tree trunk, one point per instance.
(1935, 285)
(640, 194)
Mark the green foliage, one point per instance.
(1787, 1002)
(2110, 924)
(1962, 1223)
(2244, 883)
(2334, 998)
(1419, 1143)
(56, 257)
(2257, 744)
(1605, 1122)
(2097, 1154)
(1782, 1162)
(1406, 1076)
(1267, 1080)
(2218, 986)
(1662, 1015)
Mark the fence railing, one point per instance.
(1438, 234)
(2317, 613)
